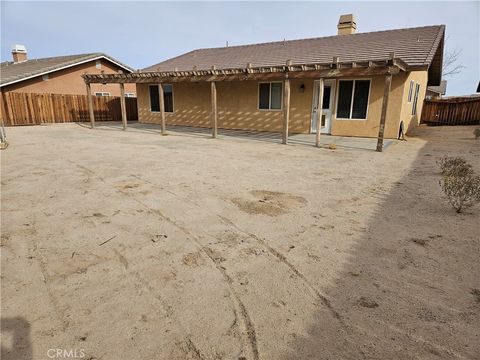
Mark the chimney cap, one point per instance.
(347, 19)
(19, 49)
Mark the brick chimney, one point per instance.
(347, 24)
(19, 53)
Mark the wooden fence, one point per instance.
(36, 109)
(453, 111)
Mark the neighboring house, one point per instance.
(436, 92)
(250, 83)
(59, 75)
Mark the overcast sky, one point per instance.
(144, 33)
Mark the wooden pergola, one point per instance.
(319, 71)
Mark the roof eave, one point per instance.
(102, 56)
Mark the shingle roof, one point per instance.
(415, 46)
(11, 72)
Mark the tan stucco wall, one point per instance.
(70, 81)
(238, 107)
(410, 121)
(369, 127)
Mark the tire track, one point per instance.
(325, 301)
(58, 310)
(238, 304)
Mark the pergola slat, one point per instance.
(312, 71)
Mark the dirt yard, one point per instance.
(132, 245)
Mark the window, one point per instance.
(326, 97)
(45, 77)
(129, 95)
(102, 94)
(98, 64)
(167, 98)
(353, 99)
(415, 100)
(410, 90)
(345, 89)
(270, 96)
(154, 98)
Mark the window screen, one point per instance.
(154, 98)
(168, 97)
(410, 91)
(344, 99)
(415, 100)
(360, 99)
(276, 96)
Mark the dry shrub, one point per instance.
(476, 132)
(459, 183)
(454, 166)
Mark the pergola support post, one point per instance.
(162, 106)
(383, 116)
(90, 106)
(214, 109)
(319, 111)
(123, 106)
(286, 110)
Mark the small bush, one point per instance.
(476, 132)
(459, 183)
(462, 191)
(454, 166)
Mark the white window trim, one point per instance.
(102, 93)
(98, 64)
(269, 96)
(173, 101)
(353, 93)
(45, 77)
(129, 94)
(410, 91)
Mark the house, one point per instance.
(59, 75)
(436, 92)
(365, 84)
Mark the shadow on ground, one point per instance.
(20, 347)
(357, 143)
(407, 293)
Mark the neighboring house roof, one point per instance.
(441, 89)
(417, 47)
(11, 72)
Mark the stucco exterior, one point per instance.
(70, 81)
(238, 106)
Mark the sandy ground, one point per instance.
(131, 245)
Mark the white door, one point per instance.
(328, 91)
